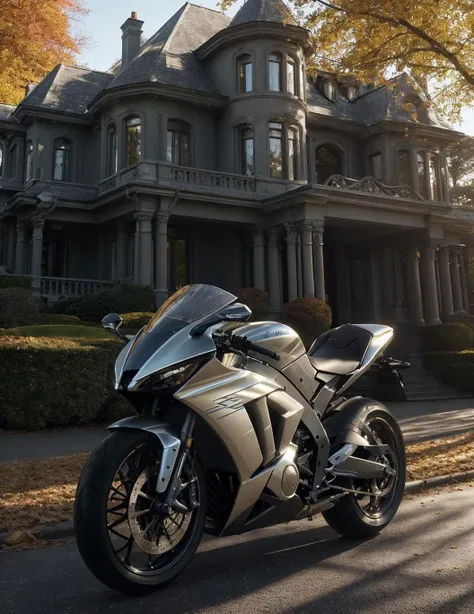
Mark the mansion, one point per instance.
(208, 154)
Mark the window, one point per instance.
(276, 151)
(274, 72)
(247, 157)
(284, 151)
(12, 162)
(133, 140)
(245, 74)
(29, 160)
(330, 89)
(62, 162)
(420, 163)
(413, 105)
(1, 159)
(328, 162)
(292, 153)
(111, 151)
(376, 165)
(434, 183)
(405, 176)
(351, 93)
(177, 142)
(291, 85)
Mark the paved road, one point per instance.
(423, 562)
(422, 420)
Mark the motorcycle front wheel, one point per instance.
(126, 539)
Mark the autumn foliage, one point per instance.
(34, 37)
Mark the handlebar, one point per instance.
(259, 349)
(242, 344)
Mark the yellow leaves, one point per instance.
(34, 37)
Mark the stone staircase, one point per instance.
(421, 385)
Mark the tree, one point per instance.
(433, 41)
(461, 161)
(34, 37)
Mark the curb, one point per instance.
(66, 529)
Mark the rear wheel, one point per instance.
(364, 515)
(126, 536)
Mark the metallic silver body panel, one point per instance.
(290, 413)
(285, 476)
(119, 363)
(218, 394)
(302, 374)
(168, 440)
(276, 337)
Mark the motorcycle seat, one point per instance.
(340, 350)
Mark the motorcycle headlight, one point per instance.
(173, 378)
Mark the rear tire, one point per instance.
(92, 507)
(347, 517)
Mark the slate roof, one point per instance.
(5, 111)
(168, 58)
(68, 88)
(264, 10)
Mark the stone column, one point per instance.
(445, 279)
(318, 254)
(299, 264)
(37, 254)
(145, 272)
(428, 278)
(462, 262)
(258, 259)
(456, 277)
(121, 247)
(161, 257)
(136, 252)
(307, 258)
(20, 248)
(291, 262)
(414, 286)
(274, 286)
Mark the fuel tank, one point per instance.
(276, 337)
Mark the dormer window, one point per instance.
(330, 89)
(415, 108)
(351, 93)
(245, 69)
(274, 72)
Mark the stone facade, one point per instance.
(209, 155)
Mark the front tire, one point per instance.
(113, 516)
(358, 517)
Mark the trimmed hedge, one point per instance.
(310, 317)
(50, 382)
(255, 299)
(13, 281)
(451, 336)
(58, 330)
(136, 320)
(453, 368)
(18, 306)
(124, 298)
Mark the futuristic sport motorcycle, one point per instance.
(237, 428)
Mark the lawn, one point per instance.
(42, 491)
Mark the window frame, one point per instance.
(335, 148)
(285, 128)
(291, 61)
(244, 60)
(67, 163)
(372, 157)
(29, 152)
(12, 161)
(242, 149)
(279, 62)
(175, 130)
(111, 157)
(128, 160)
(411, 179)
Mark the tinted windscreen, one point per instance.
(187, 305)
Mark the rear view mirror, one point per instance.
(112, 322)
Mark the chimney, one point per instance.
(131, 34)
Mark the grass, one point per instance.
(42, 491)
(58, 330)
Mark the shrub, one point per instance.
(58, 318)
(48, 382)
(124, 298)
(13, 281)
(255, 299)
(58, 330)
(136, 320)
(437, 360)
(18, 306)
(310, 317)
(451, 336)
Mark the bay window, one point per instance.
(177, 142)
(283, 151)
(274, 72)
(133, 140)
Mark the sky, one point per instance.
(102, 26)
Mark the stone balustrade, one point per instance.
(54, 288)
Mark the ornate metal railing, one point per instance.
(372, 186)
(211, 179)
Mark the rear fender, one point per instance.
(167, 437)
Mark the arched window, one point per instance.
(330, 89)
(434, 172)
(177, 142)
(245, 69)
(247, 155)
(291, 76)
(292, 153)
(62, 160)
(29, 160)
(328, 162)
(274, 72)
(111, 153)
(352, 92)
(2, 153)
(405, 175)
(284, 150)
(421, 169)
(133, 140)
